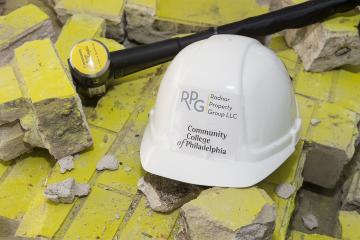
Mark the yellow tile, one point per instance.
(42, 72)
(315, 85)
(284, 210)
(9, 87)
(295, 235)
(347, 90)
(115, 107)
(306, 109)
(127, 146)
(100, 216)
(110, 8)
(207, 12)
(145, 223)
(277, 43)
(290, 170)
(350, 222)
(289, 58)
(19, 21)
(336, 127)
(45, 218)
(111, 44)
(77, 28)
(343, 23)
(24, 179)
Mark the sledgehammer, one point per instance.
(93, 67)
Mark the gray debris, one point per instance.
(127, 169)
(165, 195)
(66, 191)
(310, 221)
(351, 196)
(108, 162)
(284, 190)
(66, 163)
(315, 121)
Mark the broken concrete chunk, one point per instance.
(332, 144)
(66, 191)
(143, 26)
(56, 107)
(314, 121)
(63, 192)
(108, 162)
(66, 164)
(11, 141)
(24, 24)
(110, 10)
(310, 221)
(285, 190)
(165, 195)
(229, 213)
(351, 197)
(81, 190)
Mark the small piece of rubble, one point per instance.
(127, 169)
(66, 191)
(310, 221)
(285, 190)
(208, 216)
(165, 195)
(108, 162)
(66, 164)
(315, 121)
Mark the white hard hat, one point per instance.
(225, 115)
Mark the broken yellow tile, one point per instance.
(15, 23)
(110, 8)
(100, 216)
(350, 222)
(19, 186)
(30, 59)
(146, 223)
(347, 90)
(115, 107)
(335, 129)
(45, 218)
(77, 28)
(315, 85)
(207, 12)
(295, 235)
(289, 170)
(306, 109)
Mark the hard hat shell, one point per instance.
(225, 115)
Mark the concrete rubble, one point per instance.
(165, 195)
(310, 221)
(66, 191)
(143, 26)
(328, 45)
(37, 26)
(285, 190)
(66, 164)
(108, 162)
(228, 213)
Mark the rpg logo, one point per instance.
(192, 101)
